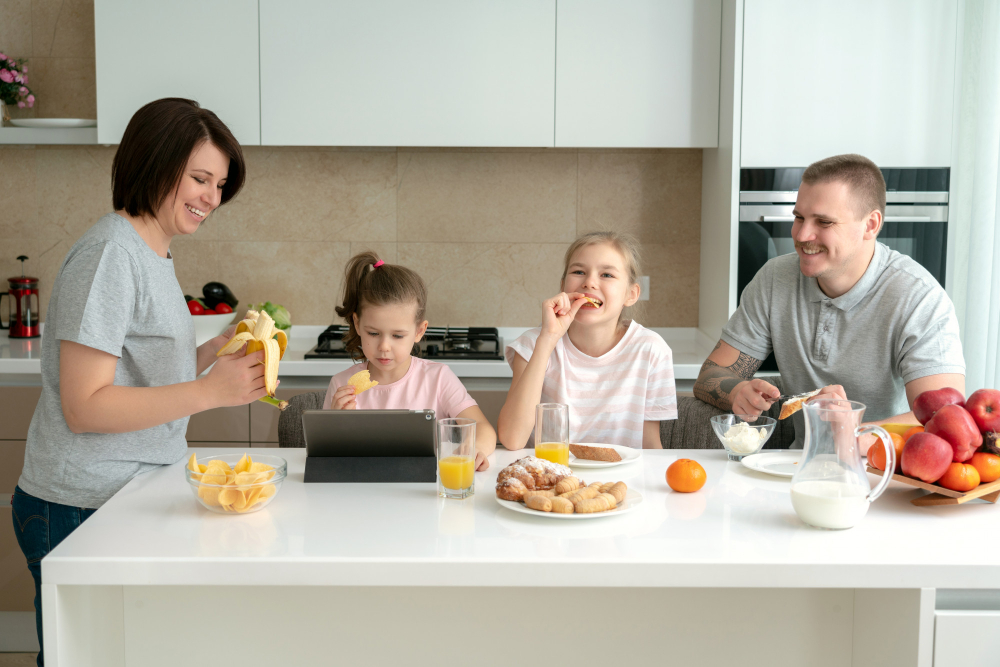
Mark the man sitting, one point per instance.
(844, 313)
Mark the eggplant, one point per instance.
(219, 292)
(188, 297)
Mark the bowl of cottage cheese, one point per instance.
(742, 436)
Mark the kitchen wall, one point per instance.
(486, 228)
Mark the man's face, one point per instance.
(829, 236)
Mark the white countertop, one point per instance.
(690, 348)
(737, 531)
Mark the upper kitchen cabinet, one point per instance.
(852, 76)
(404, 73)
(205, 51)
(638, 73)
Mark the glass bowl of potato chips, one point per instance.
(235, 484)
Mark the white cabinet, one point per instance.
(966, 638)
(205, 51)
(848, 76)
(404, 73)
(638, 73)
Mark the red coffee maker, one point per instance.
(22, 300)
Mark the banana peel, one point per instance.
(257, 332)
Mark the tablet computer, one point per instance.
(368, 432)
(369, 445)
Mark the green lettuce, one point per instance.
(280, 315)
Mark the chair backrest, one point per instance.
(693, 430)
(290, 421)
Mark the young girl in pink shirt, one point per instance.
(616, 376)
(384, 308)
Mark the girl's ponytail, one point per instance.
(368, 281)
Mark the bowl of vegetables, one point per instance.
(212, 312)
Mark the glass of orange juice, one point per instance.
(456, 457)
(552, 432)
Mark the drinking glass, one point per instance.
(456, 457)
(552, 432)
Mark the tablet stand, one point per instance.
(371, 469)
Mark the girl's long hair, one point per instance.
(364, 285)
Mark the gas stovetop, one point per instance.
(439, 344)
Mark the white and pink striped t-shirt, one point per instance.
(610, 396)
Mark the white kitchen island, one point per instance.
(390, 574)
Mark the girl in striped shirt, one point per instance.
(616, 376)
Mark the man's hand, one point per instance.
(832, 391)
(753, 397)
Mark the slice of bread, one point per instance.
(592, 453)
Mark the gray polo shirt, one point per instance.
(114, 294)
(895, 325)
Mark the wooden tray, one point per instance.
(942, 496)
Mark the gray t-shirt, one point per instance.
(114, 294)
(895, 325)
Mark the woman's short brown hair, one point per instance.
(155, 149)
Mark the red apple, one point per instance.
(984, 406)
(956, 426)
(926, 457)
(929, 402)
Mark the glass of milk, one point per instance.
(831, 489)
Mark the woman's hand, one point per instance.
(344, 398)
(235, 379)
(559, 312)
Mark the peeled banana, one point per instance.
(257, 331)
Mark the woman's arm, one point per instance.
(486, 437)
(92, 403)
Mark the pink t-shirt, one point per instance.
(427, 385)
(610, 396)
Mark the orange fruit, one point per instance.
(876, 453)
(686, 476)
(960, 477)
(987, 465)
(912, 431)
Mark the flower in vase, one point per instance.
(6, 76)
(22, 90)
(2, 56)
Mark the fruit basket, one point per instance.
(989, 491)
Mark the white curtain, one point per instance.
(974, 218)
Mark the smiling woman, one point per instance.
(119, 362)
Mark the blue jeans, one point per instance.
(40, 526)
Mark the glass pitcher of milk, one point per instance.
(831, 489)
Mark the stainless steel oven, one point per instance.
(916, 219)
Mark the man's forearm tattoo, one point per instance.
(716, 383)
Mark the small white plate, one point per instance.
(779, 464)
(54, 122)
(627, 453)
(633, 499)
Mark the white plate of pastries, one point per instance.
(599, 455)
(542, 488)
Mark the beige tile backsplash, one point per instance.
(489, 255)
(486, 228)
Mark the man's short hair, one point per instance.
(862, 176)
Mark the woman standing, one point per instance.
(119, 363)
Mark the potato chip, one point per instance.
(194, 468)
(235, 489)
(259, 467)
(209, 496)
(361, 381)
(244, 464)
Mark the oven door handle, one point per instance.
(888, 218)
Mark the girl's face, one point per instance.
(198, 193)
(387, 336)
(599, 272)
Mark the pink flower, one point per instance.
(24, 69)
(24, 79)
(20, 105)
(6, 76)
(22, 90)
(31, 99)
(17, 77)
(31, 103)
(2, 57)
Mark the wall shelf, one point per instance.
(31, 135)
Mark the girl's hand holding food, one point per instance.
(559, 312)
(344, 399)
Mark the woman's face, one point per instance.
(198, 193)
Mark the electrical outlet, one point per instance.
(644, 288)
